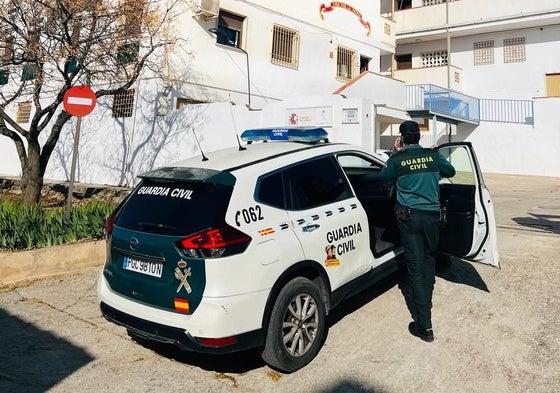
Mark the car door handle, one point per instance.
(310, 227)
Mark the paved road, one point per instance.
(497, 330)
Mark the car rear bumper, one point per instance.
(215, 318)
(177, 336)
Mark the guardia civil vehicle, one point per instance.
(252, 246)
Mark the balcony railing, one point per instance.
(507, 111)
(439, 101)
(432, 99)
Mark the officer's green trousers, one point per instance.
(420, 237)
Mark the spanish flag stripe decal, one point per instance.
(266, 231)
(181, 305)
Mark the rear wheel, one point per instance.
(296, 329)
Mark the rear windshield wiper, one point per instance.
(153, 225)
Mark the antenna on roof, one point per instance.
(241, 148)
(204, 158)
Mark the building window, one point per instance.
(128, 53)
(364, 63)
(483, 52)
(23, 112)
(514, 50)
(345, 59)
(285, 47)
(28, 72)
(4, 74)
(71, 66)
(404, 4)
(123, 103)
(553, 85)
(131, 30)
(230, 29)
(434, 59)
(404, 62)
(432, 2)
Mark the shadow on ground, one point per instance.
(458, 271)
(455, 270)
(34, 360)
(545, 222)
(347, 386)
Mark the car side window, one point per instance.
(316, 182)
(461, 161)
(271, 190)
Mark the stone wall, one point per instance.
(55, 193)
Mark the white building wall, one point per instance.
(219, 73)
(519, 80)
(501, 147)
(114, 151)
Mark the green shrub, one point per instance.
(25, 227)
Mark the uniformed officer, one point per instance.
(417, 172)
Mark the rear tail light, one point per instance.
(109, 224)
(215, 243)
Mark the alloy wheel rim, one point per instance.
(300, 324)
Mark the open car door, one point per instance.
(470, 228)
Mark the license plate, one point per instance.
(144, 267)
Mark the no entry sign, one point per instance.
(79, 101)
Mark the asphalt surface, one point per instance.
(497, 330)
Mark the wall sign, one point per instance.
(315, 117)
(350, 116)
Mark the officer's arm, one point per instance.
(445, 167)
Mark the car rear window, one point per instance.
(174, 208)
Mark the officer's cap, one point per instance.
(409, 127)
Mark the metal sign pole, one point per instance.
(73, 168)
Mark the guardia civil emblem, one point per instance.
(182, 276)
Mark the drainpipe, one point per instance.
(448, 125)
(448, 44)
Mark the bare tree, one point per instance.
(48, 46)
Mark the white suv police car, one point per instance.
(251, 247)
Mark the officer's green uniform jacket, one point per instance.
(417, 171)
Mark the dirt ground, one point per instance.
(497, 330)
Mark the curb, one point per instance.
(48, 261)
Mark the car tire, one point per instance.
(297, 328)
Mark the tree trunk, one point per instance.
(31, 177)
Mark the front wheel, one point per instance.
(296, 329)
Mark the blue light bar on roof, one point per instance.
(308, 135)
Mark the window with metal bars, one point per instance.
(123, 103)
(514, 50)
(345, 59)
(23, 112)
(483, 52)
(434, 59)
(285, 47)
(432, 2)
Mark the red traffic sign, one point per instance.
(79, 101)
